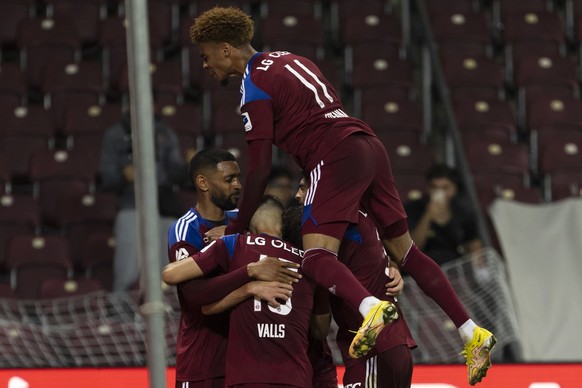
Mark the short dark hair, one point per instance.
(441, 170)
(277, 172)
(223, 24)
(208, 158)
(292, 225)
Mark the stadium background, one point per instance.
(490, 86)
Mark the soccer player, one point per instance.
(267, 346)
(390, 363)
(286, 101)
(215, 174)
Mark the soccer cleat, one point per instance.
(379, 316)
(478, 354)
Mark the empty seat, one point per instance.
(458, 27)
(473, 74)
(381, 72)
(80, 216)
(408, 156)
(97, 259)
(486, 116)
(518, 193)
(13, 88)
(12, 12)
(186, 121)
(560, 153)
(85, 15)
(56, 173)
(394, 116)
(554, 112)
(63, 288)
(73, 83)
(278, 30)
(410, 186)
(492, 162)
(19, 214)
(33, 259)
(563, 184)
(25, 131)
(45, 41)
(546, 71)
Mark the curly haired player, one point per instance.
(287, 101)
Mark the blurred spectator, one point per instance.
(280, 185)
(117, 174)
(441, 223)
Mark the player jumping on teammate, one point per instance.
(287, 101)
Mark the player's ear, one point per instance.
(226, 49)
(201, 183)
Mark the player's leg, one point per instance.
(332, 202)
(386, 210)
(389, 369)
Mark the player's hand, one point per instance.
(271, 269)
(214, 234)
(274, 293)
(395, 283)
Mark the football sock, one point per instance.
(466, 330)
(367, 303)
(322, 266)
(432, 280)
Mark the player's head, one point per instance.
(292, 225)
(444, 179)
(219, 33)
(215, 173)
(302, 190)
(268, 217)
(280, 184)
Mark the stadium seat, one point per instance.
(45, 41)
(546, 71)
(12, 13)
(84, 126)
(85, 15)
(456, 27)
(19, 214)
(80, 216)
(55, 173)
(473, 76)
(5, 180)
(493, 163)
(486, 117)
(560, 153)
(221, 110)
(281, 31)
(112, 39)
(309, 8)
(554, 112)
(13, 88)
(25, 130)
(70, 84)
(541, 26)
(366, 28)
(519, 193)
(410, 186)
(394, 116)
(166, 82)
(97, 259)
(64, 288)
(381, 72)
(408, 156)
(563, 184)
(186, 121)
(342, 10)
(447, 7)
(33, 259)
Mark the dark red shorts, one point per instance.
(355, 175)
(389, 369)
(211, 383)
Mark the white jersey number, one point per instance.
(311, 81)
(283, 309)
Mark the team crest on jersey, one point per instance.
(181, 254)
(247, 121)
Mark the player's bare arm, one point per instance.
(319, 325)
(272, 292)
(269, 269)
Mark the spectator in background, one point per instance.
(280, 185)
(441, 223)
(117, 174)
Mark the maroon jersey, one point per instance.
(362, 251)
(266, 345)
(286, 98)
(198, 332)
